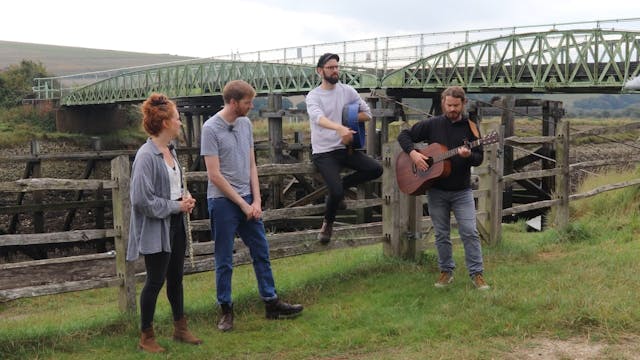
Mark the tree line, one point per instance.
(16, 82)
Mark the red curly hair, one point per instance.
(157, 109)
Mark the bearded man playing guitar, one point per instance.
(452, 192)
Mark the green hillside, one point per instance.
(65, 60)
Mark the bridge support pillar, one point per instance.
(94, 119)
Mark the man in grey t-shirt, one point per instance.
(330, 139)
(233, 197)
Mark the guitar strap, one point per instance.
(474, 128)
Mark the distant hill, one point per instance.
(66, 60)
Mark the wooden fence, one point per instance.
(402, 231)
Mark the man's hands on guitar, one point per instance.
(464, 151)
(419, 160)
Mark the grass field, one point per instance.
(66, 60)
(578, 287)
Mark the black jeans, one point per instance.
(161, 266)
(330, 164)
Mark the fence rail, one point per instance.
(401, 230)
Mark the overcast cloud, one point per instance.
(209, 28)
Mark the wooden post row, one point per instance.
(401, 213)
(563, 190)
(121, 174)
(491, 227)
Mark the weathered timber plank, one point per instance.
(604, 188)
(62, 260)
(35, 184)
(287, 213)
(517, 140)
(86, 155)
(522, 208)
(50, 289)
(265, 170)
(27, 208)
(56, 237)
(531, 174)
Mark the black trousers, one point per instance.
(161, 266)
(330, 164)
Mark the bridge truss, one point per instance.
(555, 61)
(594, 60)
(184, 80)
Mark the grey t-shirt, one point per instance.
(329, 103)
(233, 146)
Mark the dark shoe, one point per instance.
(277, 309)
(148, 341)
(226, 317)
(325, 232)
(181, 332)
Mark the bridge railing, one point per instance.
(382, 55)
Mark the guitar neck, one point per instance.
(454, 151)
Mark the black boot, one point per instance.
(325, 232)
(277, 309)
(226, 318)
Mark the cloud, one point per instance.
(633, 84)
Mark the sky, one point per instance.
(205, 28)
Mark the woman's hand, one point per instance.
(187, 203)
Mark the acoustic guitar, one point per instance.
(415, 182)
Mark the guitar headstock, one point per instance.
(491, 138)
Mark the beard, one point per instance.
(240, 113)
(331, 79)
(452, 115)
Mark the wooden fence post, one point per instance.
(563, 190)
(274, 108)
(491, 228)
(121, 174)
(401, 213)
(36, 172)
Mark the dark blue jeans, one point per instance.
(330, 164)
(227, 220)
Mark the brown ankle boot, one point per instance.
(148, 341)
(182, 333)
(325, 232)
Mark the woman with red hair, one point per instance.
(157, 229)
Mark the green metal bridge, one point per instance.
(574, 60)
